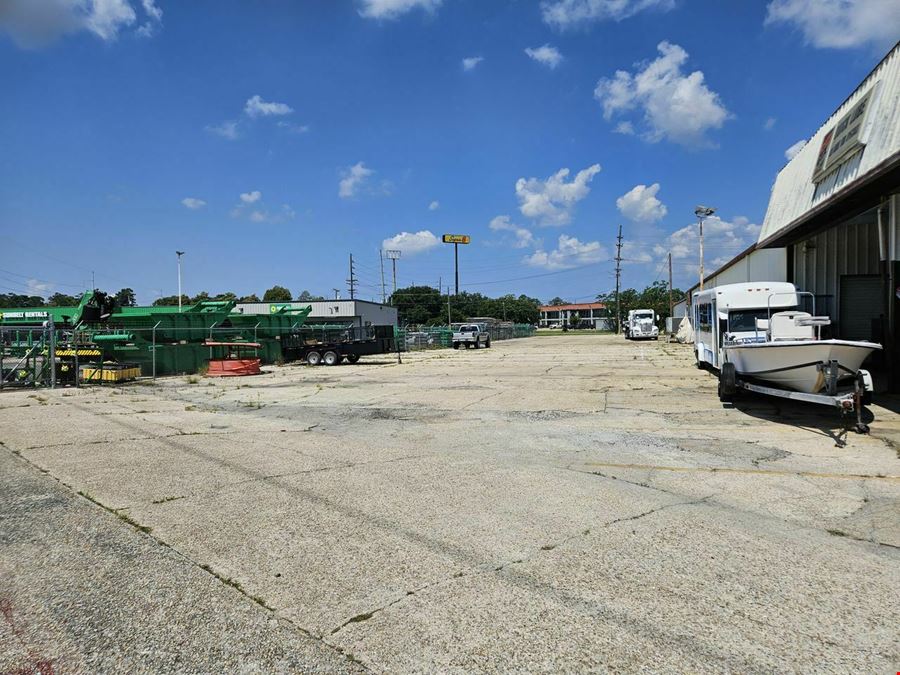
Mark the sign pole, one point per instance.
(456, 264)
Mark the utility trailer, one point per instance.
(846, 401)
(331, 345)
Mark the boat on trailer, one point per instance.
(757, 338)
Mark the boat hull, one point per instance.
(794, 364)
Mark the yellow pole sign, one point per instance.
(456, 239)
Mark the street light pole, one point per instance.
(179, 254)
(702, 212)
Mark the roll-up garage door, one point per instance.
(862, 301)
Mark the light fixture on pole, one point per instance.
(393, 255)
(702, 212)
(179, 254)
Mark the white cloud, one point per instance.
(641, 205)
(391, 9)
(411, 243)
(675, 106)
(257, 107)
(546, 55)
(569, 253)
(258, 216)
(625, 128)
(434, 206)
(794, 150)
(840, 24)
(470, 62)
(353, 178)
(722, 240)
(293, 128)
(770, 124)
(227, 129)
(36, 287)
(34, 23)
(523, 236)
(193, 203)
(251, 197)
(571, 13)
(551, 201)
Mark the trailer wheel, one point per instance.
(314, 358)
(352, 358)
(331, 358)
(727, 382)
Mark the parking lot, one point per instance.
(564, 502)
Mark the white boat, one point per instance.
(735, 323)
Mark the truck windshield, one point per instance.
(744, 320)
(644, 315)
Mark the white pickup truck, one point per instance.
(641, 324)
(471, 335)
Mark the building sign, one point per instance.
(23, 315)
(456, 238)
(844, 139)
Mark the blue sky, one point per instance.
(269, 140)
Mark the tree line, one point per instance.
(126, 298)
(425, 306)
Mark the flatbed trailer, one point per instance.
(847, 401)
(332, 345)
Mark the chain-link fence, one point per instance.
(414, 338)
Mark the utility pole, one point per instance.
(671, 306)
(393, 255)
(702, 212)
(179, 254)
(383, 291)
(351, 282)
(94, 283)
(618, 275)
(448, 306)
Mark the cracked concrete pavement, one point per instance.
(570, 502)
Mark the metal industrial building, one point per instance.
(355, 312)
(834, 217)
(834, 207)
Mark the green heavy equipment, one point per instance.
(162, 340)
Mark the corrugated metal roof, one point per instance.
(794, 193)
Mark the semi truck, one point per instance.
(641, 325)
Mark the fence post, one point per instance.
(52, 353)
(154, 349)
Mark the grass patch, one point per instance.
(192, 379)
(118, 514)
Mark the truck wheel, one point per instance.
(727, 382)
(488, 343)
(331, 358)
(352, 358)
(314, 358)
(455, 345)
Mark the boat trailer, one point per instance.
(846, 401)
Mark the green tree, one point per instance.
(277, 294)
(171, 301)
(62, 300)
(125, 298)
(419, 305)
(306, 296)
(16, 300)
(226, 297)
(557, 301)
(253, 297)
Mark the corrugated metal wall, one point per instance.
(820, 262)
(364, 312)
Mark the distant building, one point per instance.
(354, 312)
(563, 315)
